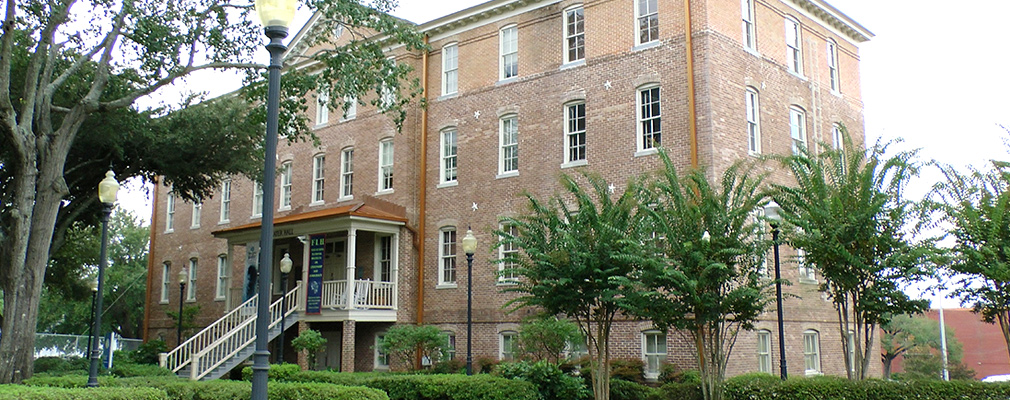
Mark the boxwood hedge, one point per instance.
(21, 392)
(181, 389)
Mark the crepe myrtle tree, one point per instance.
(65, 63)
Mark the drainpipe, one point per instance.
(423, 180)
(150, 262)
(691, 117)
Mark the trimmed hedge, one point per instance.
(828, 388)
(181, 389)
(20, 392)
(430, 386)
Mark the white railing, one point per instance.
(367, 294)
(334, 294)
(181, 356)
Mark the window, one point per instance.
(757, 218)
(764, 346)
(387, 95)
(286, 186)
(226, 200)
(386, 165)
(381, 358)
(449, 353)
(447, 256)
(507, 346)
(654, 351)
(833, 65)
(749, 37)
(347, 174)
(448, 155)
(575, 132)
(509, 145)
(575, 35)
(648, 21)
(811, 352)
(506, 270)
(650, 128)
(222, 277)
(794, 58)
(753, 127)
(385, 272)
(351, 111)
(807, 272)
(450, 65)
(322, 108)
(318, 177)
(509, 52)
(170, 213)
(798, 129)
(257, 200)
(575, 350)
(165, 281)
(197, 211)
(191, 288)
(837, 141)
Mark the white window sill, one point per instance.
(752, 52)
(506, 81)
(572, 64)
(345, 198)
(191, 300)
(754, 153)
(285, 208)
(384, 191)
(224, 221)
(316, 203)
(507, 283)
(577, 163)
(219, 299)
(507, 174)
(320, 126)
(381, 369)
(446, 286)
(798, 75)
(808, 281)
(813, 373)
(646, 152)
(163, 301)
(349, 118)
(447, 96)
(256, 216)
(169, 230)
(836, 93)
(644, 46)
(447, 184)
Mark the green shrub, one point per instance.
(547, 377)
(19, 392)
(125, 370)
(51, 364)
(281, 372)
(181, 389)
(830, 388)
(67, 381)
(545, 337)
(621, 389)
(632, 370)
(431, 386)
(679, 391)
(310, 341)
(449, 367)
(406, 342)
(485, 365)
(148, 352)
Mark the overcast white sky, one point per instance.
(933, 75)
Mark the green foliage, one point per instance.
(829, 388)
(404, 342)
(126, 370)
(449, 367)
(148, 352)
(221, 389)
(550, 381)
(280, 372)
(311, 342)
(52, 365)
(621, 389)
(18, 392)
(847, 213)
(917, 338)
(671, 374)
(189, 314)
(630, 369)
(485, 365)
(682, 391)
(545, 337)
(431, 387)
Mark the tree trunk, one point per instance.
(601, 369)
(887, 368)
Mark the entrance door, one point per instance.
(331, 356)
(334, 261)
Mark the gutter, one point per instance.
(692, 118)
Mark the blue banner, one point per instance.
(314, 294)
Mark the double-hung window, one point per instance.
(225, 201)
(197, 211)
(170, 213)
(448, 170)
(222, 277)
(449, 352)
(381, 358)
(165, 281)
(509, 50)
(318, 178)
(654, 352)
(575, 132)
(764, 355)
(385, 262)
(794, 57)
(811, 352)
(507, 345)
(286, 186)
(508, 154)
(322, 108)
(807, 272)
(650, 128)
(798, 129)
(450, 65)
(386, 165)
(647, 12)
(575, 34)
(832, 54)
(191, 289)
(837, 140)
(447, 256)
(753, 125)
(749, 36)
(507, 252)
(257, 206)
(350, 110)
(347, 174)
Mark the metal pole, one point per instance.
(778, 299)
(469, 314)
(284, 316)
(96, 353)
(182, 289)
(261, 357)
(943, 344)
(91, 331)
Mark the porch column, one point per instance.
(352, 234)
(394, 275)
(347, 346)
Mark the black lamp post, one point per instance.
(469, 247)
(107, 190)
(772, 212)
(285, 269)
(94, 292)
(276, 15)
(183, 275)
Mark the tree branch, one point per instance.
(127, 100)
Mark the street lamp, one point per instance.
(183, 274)
(285, 269)
(276, 15)
(469, 246)
(94, 292)
(773, 213)
(107, 190)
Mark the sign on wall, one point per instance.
(314, 294)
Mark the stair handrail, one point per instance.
(180, 356)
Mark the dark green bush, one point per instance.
(430, 386)
(449, 367)
(51, 364)
(830, 388)
(632, 370)
(148, 352)
(679, 391)
(281, 372)
(20, 392)
(181, 389)
(621, 389)
(485, 365)
(547, 377)
(669, 373)
(125, 370)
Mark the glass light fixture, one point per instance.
(276, 13)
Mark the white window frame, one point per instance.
(448, 167)
(380, 360)
(832, 54)
(450, 69)
(651, 15)
(753, 109)
(385, 178)
(807, 273)
(449, 353)
(257, 206)
(387, 95)
(225, 201)
(794, 46)
(170, 213)
(351, 112)
(798, 128)
(811, 352)
(764, 351)
(652, 341)
(757, 218)
(575, 135)
(346, 174)
(166, 267)
(837, 141)
(197, 214)
(448, 271)
(508, 52)
(508, 145)
(507, 345)
(285, 199)
(191, 285)
(643, 118)
(576, 350)
(383, 271)
(749, 31)
(574, 27)
(318, 179)
(221, 291)
(503, 251)
(322, 108)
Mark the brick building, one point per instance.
(519, 92)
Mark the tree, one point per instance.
(705, 278)
(404, 343)
(847, 213)
(545, 337)
(61, 67)
(572, 249)
(310, 341)
(905, 333)
(976, 209)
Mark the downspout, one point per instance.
(691, 117)
(423, 180)
(150, 261)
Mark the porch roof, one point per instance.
(360, 209)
